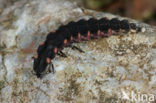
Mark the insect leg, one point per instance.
(62, 54)
(51, 68)
(76, 48)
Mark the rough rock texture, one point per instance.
(110, 70)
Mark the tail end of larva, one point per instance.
(140, 29)
(136, 29)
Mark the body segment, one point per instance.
(75, 32)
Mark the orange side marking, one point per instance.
(65, 41)
(36, 56)
(88, 35)
(55, 50)
(41, 43)
(79, 36)
(48, 60)
(99, 33)
(71, 38)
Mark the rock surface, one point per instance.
(110, 70)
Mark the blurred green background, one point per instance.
(143, 10)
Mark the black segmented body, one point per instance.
(76, 32)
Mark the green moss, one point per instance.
(111, 100)
(72, 88)
(2, 47)
(97, 82)
(15, 87)
(105, 98)
(7, 23)
(123, 46)
(95, 4)
(2, 84)
(153, 45)
(3, 50)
